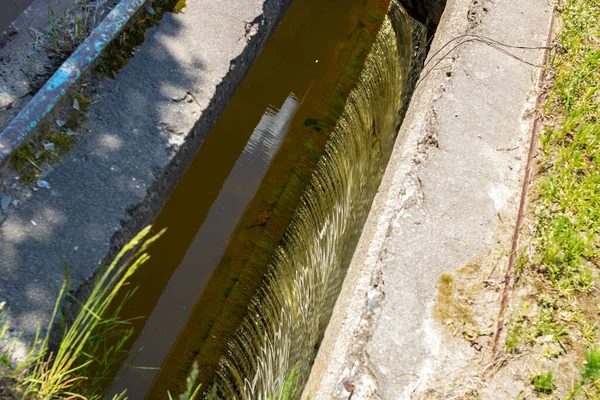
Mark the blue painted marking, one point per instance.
(56, 87)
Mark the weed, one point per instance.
(544, 383)
(73, 371)
(590, 372)
(68, 28)
(514, 338)
(192, 390)
(451, 305)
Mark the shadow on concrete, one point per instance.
(131, 134)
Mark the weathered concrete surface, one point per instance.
(457, 166)
(132, 151)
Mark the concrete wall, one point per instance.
(448, 186)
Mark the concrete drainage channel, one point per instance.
(115, 180)
(434, 211)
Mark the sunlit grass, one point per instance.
(82, 363)
(562, 263)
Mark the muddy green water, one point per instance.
(262, 226)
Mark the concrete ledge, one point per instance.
(134, 147)
(449, 180)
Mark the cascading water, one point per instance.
(287, 316)
(244, 281)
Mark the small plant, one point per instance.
(192, 390)
(590, 372)
(74, 371)
(67, 28)
(544, 383)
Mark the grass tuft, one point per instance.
(544, 383)
(590, 372)
(68, 28)
(75, 370)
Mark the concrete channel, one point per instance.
(449, 192)
(114, 182)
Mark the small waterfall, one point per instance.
(288, 315)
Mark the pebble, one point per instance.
(6, 100)
(5, 202)
(49, 146)
(43, 184)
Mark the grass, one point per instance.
(568, 205)
(590, 372)
(192, 390)
(562, 259)
(68, 28)
(81, 365)
(544, 383)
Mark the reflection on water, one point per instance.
(267, 136)
(165, 323)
